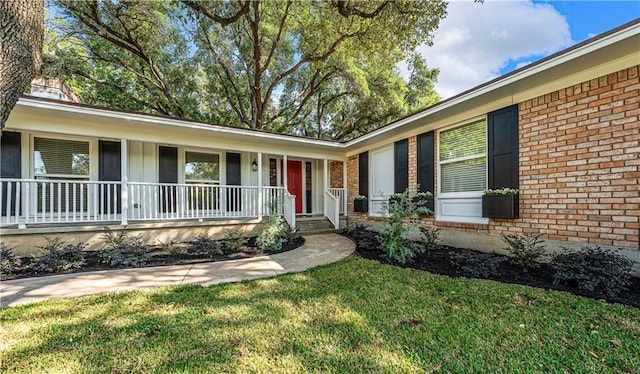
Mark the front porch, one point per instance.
(39, 203)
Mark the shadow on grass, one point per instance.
(352, 316)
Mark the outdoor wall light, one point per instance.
(254, 165)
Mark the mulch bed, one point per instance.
(459, 262)
(158, 258)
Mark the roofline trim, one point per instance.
(143, 117)
(623, 32)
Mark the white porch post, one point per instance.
(284, 173)
(124, 193)
(260, 189)
(344, 177)
(326, 175)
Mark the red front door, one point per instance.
(294, 182)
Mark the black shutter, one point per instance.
(234, 172)
(168, 173)
(363, 174)
(10, 165)
(401, 160)
(110, 169)
(503, 148)
(426, 155)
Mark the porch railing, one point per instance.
(332, 208)
(66, 201)
(341, 194)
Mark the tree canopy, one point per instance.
(316, 68)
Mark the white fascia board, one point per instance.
(510, 79)
(172, 122)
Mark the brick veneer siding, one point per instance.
(335, 174)
(579, 166)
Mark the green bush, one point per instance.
(273, 234)
(171, 247)
(9, 263)
(122, 249)
(234, 240)
(401, 226)
(526, 250)
(593, 269)
(204, 245)
(430, 238)
(57, 257)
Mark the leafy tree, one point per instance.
(22, 25)
(316, 68)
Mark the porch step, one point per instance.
(315, 225)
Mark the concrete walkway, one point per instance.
(317, 250)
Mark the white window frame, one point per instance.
(375, 198)
(469, 198)
(93, 157)
(182, 168)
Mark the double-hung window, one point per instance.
(63, 164)
(203, 171)
(462, 158)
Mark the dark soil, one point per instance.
(158, 258)
(458, 262)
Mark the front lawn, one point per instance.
(353, 316)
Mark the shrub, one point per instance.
(9, 263)
(57, 257)
(430, 237)
(593, 269)
(121, 249)
(234, 240)
(273, 235)
(478, 265)
(403, 223)
(204, 245)
(171, 247)
(526, 250)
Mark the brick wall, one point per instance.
(335, 174)
(579, 165)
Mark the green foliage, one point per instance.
(122, 249)
(501, 191)
(594, 269)
(9, 262)
(402, 225)
(204, 245)
(478, 265)
(171, 247)
(273, 234)
(234, 240)
(324, 69)
(430, 238)
(57, 257)
(526, 250)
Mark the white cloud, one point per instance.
(477, 40)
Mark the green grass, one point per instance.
(352, 316)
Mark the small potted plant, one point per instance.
(501, 203)
(424, 203)
(360, 204)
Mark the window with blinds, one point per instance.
(61, 158)
(463, 158)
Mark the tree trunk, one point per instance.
(22, 31)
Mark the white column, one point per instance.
(344, 176)
(326, 175)
(284, 173)
(260, 189)
(124, 170)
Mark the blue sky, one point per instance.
(477, 42)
